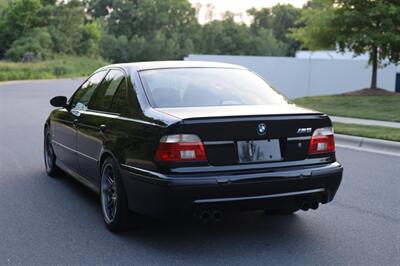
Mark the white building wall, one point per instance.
(330, 55)
(297, 77)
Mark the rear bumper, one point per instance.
(163, 196)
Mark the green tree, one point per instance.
(229, 37)
(147, 17)
(265, 43)
(89, 39)
(63, 21)
(159, 29)
(356, 25)
(279, 19)
(98, 8)
(262, 18)
(18, 19)
(115, 48)
(3, 5)
(36, 45)
(284, 17)
(318, 31)
(224, 37)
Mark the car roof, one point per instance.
(139, 66)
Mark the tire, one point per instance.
(281, 211)
(114, 204)
(52, 169)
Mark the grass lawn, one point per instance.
(375, 132)
(59, 67)
(368, 107)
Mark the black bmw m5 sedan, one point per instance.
(183, 138)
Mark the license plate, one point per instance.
(259, 151)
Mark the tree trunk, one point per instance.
(374, 61)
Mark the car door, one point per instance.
(65, 121)
(94, 124)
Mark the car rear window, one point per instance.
(195, 87)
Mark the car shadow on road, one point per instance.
(236, 231)
(234, 228)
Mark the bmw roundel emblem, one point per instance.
(262, 129)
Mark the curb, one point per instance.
(368, 144)
(364, 122)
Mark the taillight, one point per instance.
(180, 148)
(322, 141)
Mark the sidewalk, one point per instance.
(366, 122)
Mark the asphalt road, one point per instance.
(58, 221)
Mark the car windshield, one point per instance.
(194, 87)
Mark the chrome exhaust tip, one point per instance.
(305, 206)
(217, 216)
(314, 205)
(205, 216)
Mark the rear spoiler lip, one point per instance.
(235, 118)
(196, 120)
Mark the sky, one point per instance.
(240, 6)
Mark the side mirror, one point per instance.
(59, 101)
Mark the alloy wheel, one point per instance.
(109, 193)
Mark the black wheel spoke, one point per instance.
(110, 203)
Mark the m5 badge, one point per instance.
(304, 130)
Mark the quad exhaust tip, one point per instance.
(305, 206)
(309, 204)
(207, 216)
(217, 216)
(314, 205)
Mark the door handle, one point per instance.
(102, 127)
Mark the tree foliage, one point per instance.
(228, 37)
(363, 26)
(360, 26)
(18, 19)
(46, 27)
(285, 18)
(98, 8)
(38, 44)
(137, 30)
(279, 19)
(318, 31)
(150, 30)
(3, 5)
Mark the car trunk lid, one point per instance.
(231, 135)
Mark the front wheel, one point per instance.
(113, 198)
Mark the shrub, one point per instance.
(34, 46)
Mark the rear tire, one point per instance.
(52, 169)
(285, 211)
(114, 203)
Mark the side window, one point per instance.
(119, 104)
(82, 96)
(132, 108)
(104, 94)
